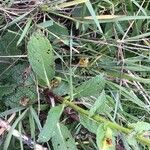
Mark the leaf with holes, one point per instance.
(41, 57)
(63, 139)
(22, 96)
(91, 87)
(49, 127)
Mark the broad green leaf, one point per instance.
(132, 142)
(105, 138)
(125, 143)
(140, 126)
(89, 123)
(80, 12)
(41, 57)
(99, 104)
(6, 89)
(22, 96)
(100, 134)
(91, 87)
(46, 24)
(59, 32)
(18, 74)
(109, 141)
(8, 44)
(49, 127)
(62, 89)
(63, 139)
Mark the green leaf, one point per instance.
(132, 142)
(49, 127)
(8, 44)
(99, 104)
(58, 31)
(41, 57)
(36, 118)
(91, 87)
(46, 24)
(6, 89)
(140, 126)
(100, 134)
(20, 95)
(129, 95)
(89, 123)
(17, 19)
(105, 138)
(17, 73)
(62, 89)
(92, 12)
(26, 28)
(11, 111)
(63, 139)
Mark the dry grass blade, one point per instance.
(9, 121)
(5, 125)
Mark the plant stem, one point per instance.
(112, 125)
